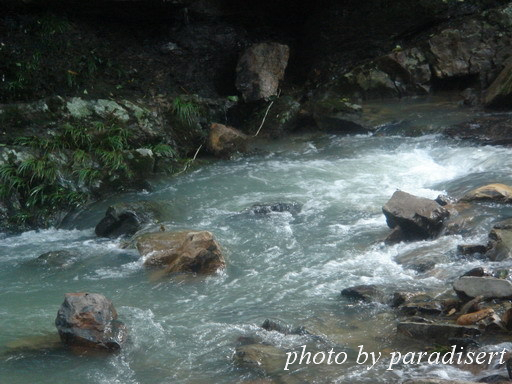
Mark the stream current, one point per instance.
(285, 267)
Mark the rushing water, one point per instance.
(284, 267)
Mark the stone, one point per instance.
(488, 287)
(366, 293)
(437, 333)
(266, 209)
(60, 259)
(500, 243)
(477, 272)
(418, 217)
(471, 249)
(499, 94)
(497, 193)
(486, 130)
(475, 317)
(224, 141)
(422, 308)
(185, 251)
(90, 320)
(336, 115)
(265, 358)
(271, 325)
(127, 218)
(260, 69)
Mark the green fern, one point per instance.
(164, 150)
(186, 111)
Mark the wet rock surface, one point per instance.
(488, 287)
(186, 251)
(126, 219)
(439, 333)
(417, 217)
(225, 141)
(89, 320)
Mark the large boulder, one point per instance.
(499, 94)
(437, 333)
(497, 193)
(90, 320)
(224, 141)
(127, 218)
(186, 251)
(417, 217)
(488, 287)
(260, 69)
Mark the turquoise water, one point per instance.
(184, 329)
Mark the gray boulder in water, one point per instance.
(127, 218)
(417, 217)
(89, 320)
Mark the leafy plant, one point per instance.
(164, 150)
(185, 110)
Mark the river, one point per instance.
(285, 267)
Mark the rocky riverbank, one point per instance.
(141, 98)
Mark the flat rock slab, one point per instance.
(498, 193)
(439, 333)
(488, 287)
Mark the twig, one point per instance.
(190, 161)
(266, 113)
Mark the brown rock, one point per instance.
(187, 251)
(475, 317)
(89, 320)
(223, 141)
(498, 193)
(260, 69)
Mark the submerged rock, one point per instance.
(60, 259)
(186, 251)
(497, 193)
(366, 293)
(127, 218)
(417, 217)
(90, 320)
(437, 333)
(271, 325)
(260, 69)
(224, 141)
(265, 358)
(265, 209)
(488, 287)
(487, 130)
